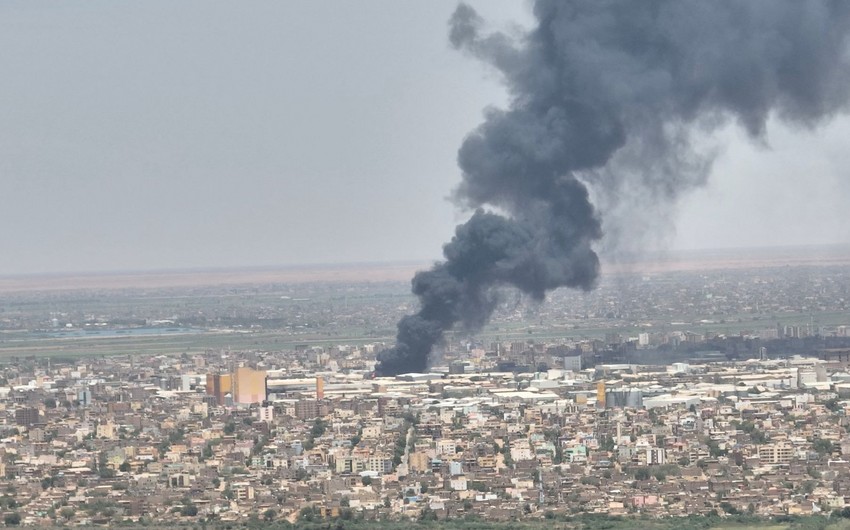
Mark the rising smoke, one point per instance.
(609, 94)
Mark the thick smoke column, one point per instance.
(608, 94)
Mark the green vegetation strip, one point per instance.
(552, 522)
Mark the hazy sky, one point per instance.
(151, 135)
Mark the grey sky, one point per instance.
(155, 135)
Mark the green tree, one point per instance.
(714, 449)
(319, 428)
(427, 514)
(67, 513)
(176, 436)
(728, 508)
(309, 514)
(832, 405)
(823, 447)
(748, 426)
(506, 453)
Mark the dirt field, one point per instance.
(375, 272)
(201, 278)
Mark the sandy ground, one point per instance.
(379, 272)
(202, 278)
(733, 259)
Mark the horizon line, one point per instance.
(611, 258)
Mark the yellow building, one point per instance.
(780, 453)
(219, 385)
(419, 462)
(106, 430)
(249, 386)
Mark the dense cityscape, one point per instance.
(627, 303)
(712, 392)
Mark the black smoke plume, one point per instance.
(609, 94)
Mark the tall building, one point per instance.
(249, 386)
(600, 395)
(219, 385)
(624, 398)
(27, 416)
(84, 397)
(656, 456)
(779, 453)
(320, 388)
(307, 409)
(265, 414)
(572, 363)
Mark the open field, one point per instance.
(367, 272)
(156, 345)
(650, 263)
(277, 309)
(730, 259)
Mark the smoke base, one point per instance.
(609, 94)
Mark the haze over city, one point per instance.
(555, 264)
(161, 136)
